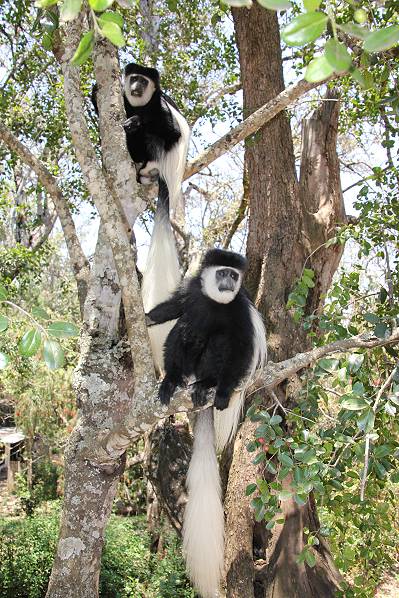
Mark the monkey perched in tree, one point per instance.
(219, 340)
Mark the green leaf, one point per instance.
(379, 470)
(390, 409)
(250, 489)
(3, 293)
(304, 29)
(285, 459)
(62, 329)
(30, 342)
(70, 10)
(270, 525)
(354, 30)
(382, 39)
(366, 421)
(45, 3)
(380, 330)
(100, 5)
(251, 447)
(309, 457)
(276, 419)
(275, 4)
(113, 17)
(310, 558)
(394, 398)
(395, 477)
(238, 3)
(39, 312)
(311, 5)
(308, 272)
(372, 318)
(358, 389)
(317, 70)
(328, 364)
(337, 56)
(365, 81)
(270, 467)
(355, 362)
(354, 404)
(4, 360)
(360, 15)
(259, 458)
(4, 323)
(113, 32)
(47, 41)
(84, 49)
(172, 5)
(300, 499)
(53, 354)
(308, 281)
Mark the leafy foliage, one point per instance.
(128, 567)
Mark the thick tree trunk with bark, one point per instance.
(289, 219)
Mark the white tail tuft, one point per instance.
(226, 421)
(160, 279)
(203, 529)
(173, 163)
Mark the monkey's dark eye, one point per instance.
(234, 275)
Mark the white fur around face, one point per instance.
(210, 288)
(142, 100)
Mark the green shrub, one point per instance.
(27, 547)
(44, 485)
(129, 570)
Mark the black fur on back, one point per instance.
(221, 257)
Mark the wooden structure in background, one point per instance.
(12, 438)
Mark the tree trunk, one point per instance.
(289, 219)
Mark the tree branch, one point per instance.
(275, 373)
(80, 265)
(109, 198)
(250, 125)
(147, 411)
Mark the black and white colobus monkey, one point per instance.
(157, 136)
(157, 133)
(219, 338)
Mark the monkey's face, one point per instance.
(138, 89)
(221, 283)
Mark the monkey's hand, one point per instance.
(222, 399)
(166, 391)
(199, 395)
(132, 124)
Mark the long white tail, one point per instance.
(173, 163)
(203, 529)
(226, 421)
(161, 275)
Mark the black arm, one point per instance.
(171, 309)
